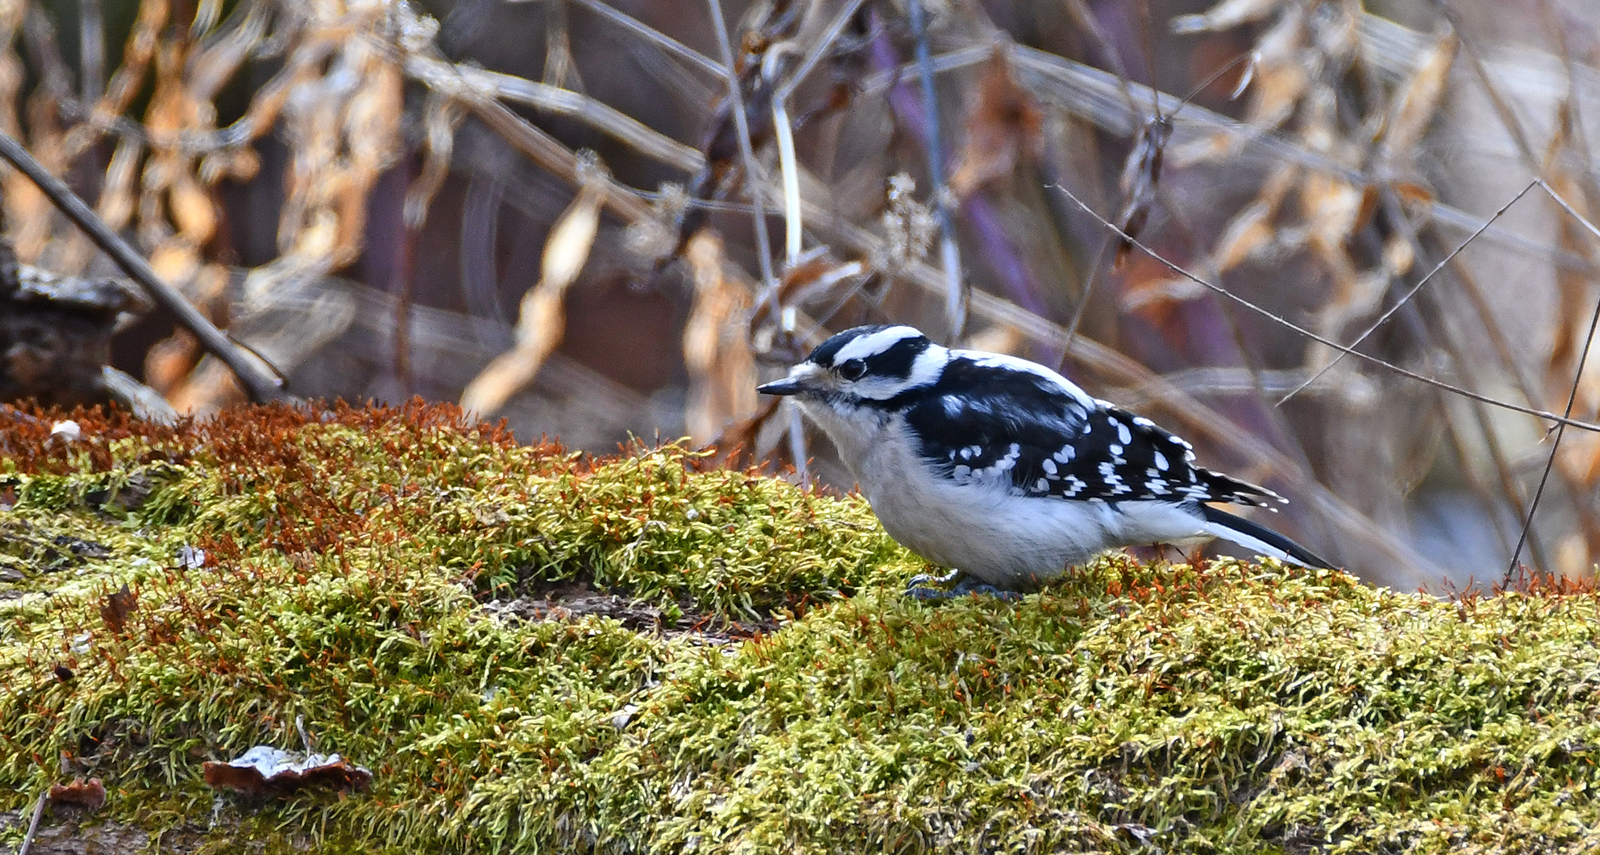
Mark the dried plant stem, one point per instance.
(1572, 396)
(754, 179)
(836, 26)
(601, 116)
(260, 385)
(33, 825)
(651, 34)
(447, 79)
(789, 166)
(955, 296)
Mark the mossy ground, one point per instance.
(790, 699)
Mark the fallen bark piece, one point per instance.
(89, 795)
(264, 770)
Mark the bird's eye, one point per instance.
(852, 369)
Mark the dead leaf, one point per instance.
(1141, 175)
(115, 608)
(541, 322)
(1004, 127)
(722, 372)
(1282, 78)
(572, 236)
(1417, 101)
(264, 770)
(1248, 233)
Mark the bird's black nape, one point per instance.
(1266, 535)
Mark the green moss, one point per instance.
(1232, 708)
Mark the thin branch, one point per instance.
(1550, 462)
(1081, 14)
(1285, 322)
(955, 306)
(1450, 345)
(259, 384)
(33, 824)
(835, 27)
(754, 179)
(649, 33)
(1384, 318)
(1572, 396)
(1565, 206)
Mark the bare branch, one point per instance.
(260, 385)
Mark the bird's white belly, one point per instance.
(1008, 540)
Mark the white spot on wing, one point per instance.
(1010, 460)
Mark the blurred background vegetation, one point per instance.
(554, 212)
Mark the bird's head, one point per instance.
(864, 366)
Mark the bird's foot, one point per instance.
(919, 588)
(922, 579)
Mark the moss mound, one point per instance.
(540, 651)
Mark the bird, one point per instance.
(1003, 470)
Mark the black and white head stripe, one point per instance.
(881, 362)
(886, 346)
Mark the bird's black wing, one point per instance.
(1042, 436)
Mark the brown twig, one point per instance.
(33, 824)
(259, 384)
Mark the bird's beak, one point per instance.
(786, 386)
(794, 384)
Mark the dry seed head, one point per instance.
(908, 226)
(654, 236)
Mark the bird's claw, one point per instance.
(919, 588)
(921, 579)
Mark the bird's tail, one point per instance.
(1263, 540)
